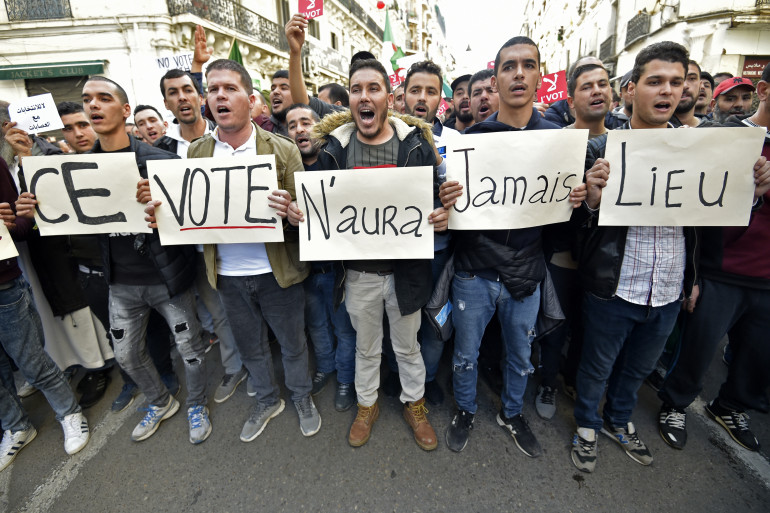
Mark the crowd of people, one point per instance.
(625, 291)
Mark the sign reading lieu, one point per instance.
(85, 194)
(554, 88)
(680, 177)
(215, 200)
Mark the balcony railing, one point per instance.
(637, 27)
(607, 48)
(761, 3)
(230, 14)
(359, 12)
(24, 10)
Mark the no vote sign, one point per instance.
(311, 8)
(554, 87)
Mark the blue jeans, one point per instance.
(430, 345)
(474, 301)
(21, 335)
(622, 344)
(323, 323)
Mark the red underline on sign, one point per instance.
(226, 228)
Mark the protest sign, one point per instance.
(311, 8)
(366, 214)
(553, 88)
(490, 64)
(7, 248)
(164, 63)
(683, 177)
(215, 200)
(395, 80)
(442, 107)
(36, 114)
(82, 194)
(515, 179)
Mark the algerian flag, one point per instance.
(390, 52)
(235, 53)
(447, 88)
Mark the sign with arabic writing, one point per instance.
(36, 114)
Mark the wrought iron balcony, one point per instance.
(637, 27)
(359, 12)
(230, 14)
(607, 48)
(24, 10)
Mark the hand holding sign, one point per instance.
(36, 114)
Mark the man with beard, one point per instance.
(484, 98)
(280, 100)
(732, 97)
(461, 117)
(705, 93)
(685, 111)
(322, 319)
(150, 123)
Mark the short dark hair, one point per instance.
(585, 68)
(337, 93)
(178, 73)
(667, 51)
(66, 108)
(230, 65)
(705, 75)
(725, 74)
(518, 40)
(766, 74)
(694, 63)
(297, 106)
(122, 95)
(281, 73)
(140, 108)
(370, 64)
(480, 76)
(424, 67)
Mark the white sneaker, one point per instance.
(25, 390)
(12, 443)
(76, 433)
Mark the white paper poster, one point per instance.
(36, 114)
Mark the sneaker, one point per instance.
(319, 381)
(361, 429)
(584, 449)
(629, 441)
(125, 398)
(671, 426)
(518, 427)
(200, 425)
(152, 419)
(545, 402)
(344, 397)
(459, 431)
(172, 383)
(433, 393)
(392, 385)
(25, 390)
(415, 414)
(251, 388)
(309, 419)
(229, 383)
(736, 423)
(12, 443)
(259, 418)
(76, 433)
(92, 386)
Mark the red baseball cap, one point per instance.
(731, 83)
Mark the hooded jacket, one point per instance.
(413, 278)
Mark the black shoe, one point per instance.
(433, 393)
(345, 396)
(671, 426)
(518, 427)
(736, 423)
(93, 386)
(392, 385)
(459, 430)
(319, 382)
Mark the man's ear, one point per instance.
(762, 90)
(126, 111)
(713, 103)
(571, 102)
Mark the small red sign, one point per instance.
(491, 65)
(443, 106)
(395, 80)
(311, 8)
(554, 88)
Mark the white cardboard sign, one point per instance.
(36, 114)
(680, 177)
(366, 214)
(215, 200)
(7, 247)
(85, 194)
(515, 179)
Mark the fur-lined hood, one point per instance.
(340, 126)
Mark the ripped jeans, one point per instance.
(129, 311)
(474, 301)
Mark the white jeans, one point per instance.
(367, 296)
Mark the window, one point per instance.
(284, 13)
(313, 29)
(335, 42)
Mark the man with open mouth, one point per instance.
(462, 117)
(705, 92)
(150, 123)
(484, 98)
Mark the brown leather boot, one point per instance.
(414, 413)
(362, 426)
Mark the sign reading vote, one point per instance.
(81, 194)
(366, 214)
(553, 88)
(7, 248)
(36, 114)
(311, 8)
(515, 179)
(215, 200)
(680, 177)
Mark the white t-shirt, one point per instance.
(243, 259)
(175, 133)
